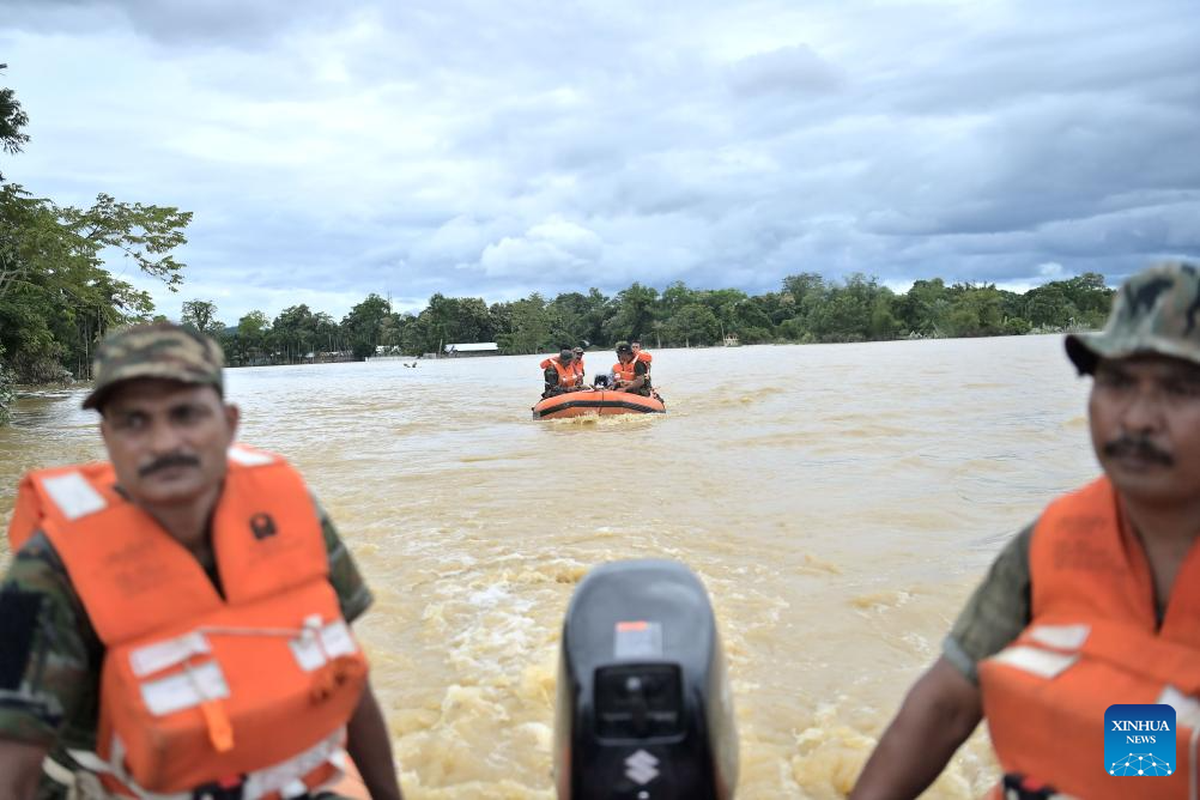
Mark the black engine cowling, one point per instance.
(644, 709)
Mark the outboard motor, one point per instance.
(644, 709)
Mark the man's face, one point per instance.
(636, 346)
(1145, 421)
(167, 440)
(624, 357)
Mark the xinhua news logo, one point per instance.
(1139, 740)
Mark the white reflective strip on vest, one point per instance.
(313, 649)
(1042, 663)
(185, 689)
(73, 495)
(1062, 637)
(1187, 709)
(92, 762)
(249, 458)
(57, 772)
(160, 655)
(286, 776)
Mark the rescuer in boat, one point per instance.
(578, 363)
(631, 374)
(562, 375)
(203, 583)
(1097, 602)
(641, 354)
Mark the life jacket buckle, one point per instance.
(224, 789)
(1018, 787)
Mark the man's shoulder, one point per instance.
(353, 594)
(997, 611)
(48, 669)
(37, 565)
(37, 578)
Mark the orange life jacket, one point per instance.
(568, 376)
(625, 372)
(1093, 641)
(37, 491)
(643, 356)
(576, 364)
(196, 688)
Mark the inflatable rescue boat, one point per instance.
(597, 402)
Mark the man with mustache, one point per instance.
(174, 622)
(1098, 602)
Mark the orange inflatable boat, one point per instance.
(597, 402)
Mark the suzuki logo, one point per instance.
(640, 768)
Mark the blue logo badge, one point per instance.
(1139, 740)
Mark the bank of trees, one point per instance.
(808, 308)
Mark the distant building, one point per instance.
(472, 349)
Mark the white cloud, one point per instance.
(555, 248)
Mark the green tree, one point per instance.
(294, 334)
(500, 317)
(253, 330)
(633, 315)
(977, 311)
(675, 297)
(924, 310)
(365, 325)
(694, 324)
(848, 312)
(202, 315)
(56, 297)
(802, 285)
(570, 318)
(531, 327)
(12, 120)
(146, 234)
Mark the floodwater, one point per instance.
(838, 501)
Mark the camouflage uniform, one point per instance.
(50, 662)
(50, 658)
(1157, 312)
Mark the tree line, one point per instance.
(808, 308)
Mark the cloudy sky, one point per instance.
(332, 149)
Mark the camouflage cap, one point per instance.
(158, 350)
(1157, 311)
